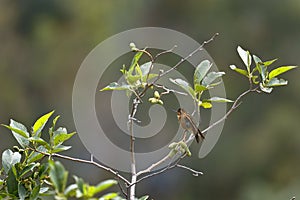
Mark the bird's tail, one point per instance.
(198, 135)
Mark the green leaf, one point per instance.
(22, 191)
(280, 70)
(9, 159)
(61, 135)
(109, 196)
(256, 59)
(184, 85)
(40, 123)
(219, 99)
(245, 56)
(34, 156)
(206, 104)
(116, 86)
(19, 132)
(145, 68)
(199, 88)
(60, 148)
(132, 79)
(265, 89)
(134, 61)
(39, 141)
(71, 190)
(28, 168)
(35, 192)
(104, 185)
(58, 176)
(201, 71)
(238, 70)
(276, 82)
(12, 183)
(144, 197)
(267, 63)
(211, 77)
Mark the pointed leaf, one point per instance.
(245, 56)
(219, 99)
(19, 132)
(265, 89)
(109, 196)
(145, 68)
(28, 168)
(58, 175)
(276, 82)
(256, 59)
(201, 71)
(39, 141)
(12, 183)
(9, 159)
(184, 85)
(280, 70)
(116, 86)
(144, 197)
(34, 156)
(61, 148)
(104, 185)
(267, 63)
(22, 191)
(40, 123)
(211, 77)
(61, 135)
(240, 71)
(35, 192)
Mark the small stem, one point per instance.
(116, 173)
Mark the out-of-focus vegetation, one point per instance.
(258, 155)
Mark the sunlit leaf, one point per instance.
(104, 185)
(184, 85)
(109, 196)
(19, 131)
(40, 123)
(211, 77)
(276, 82)
(280, 70)
(116, 86)
(265, 89)
(10, 158)
(218, 99)
(201, 71)
(206, 104)
(245, 56)
(199, 88)
(267, 63)
(58, 175)
(238, 70)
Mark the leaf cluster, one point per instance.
(261, 74)
(26, 175)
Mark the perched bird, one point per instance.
(187, 123)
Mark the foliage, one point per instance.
(25, 174)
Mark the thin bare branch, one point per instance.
(167, 90)
(116, 173)
(195, 172)
(165, 52)
(190, 55)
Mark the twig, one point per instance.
(167, 90)
(195, 172)
(116, 173)
(164, 52)
(235, 104)
(149, 169)
(190, 55)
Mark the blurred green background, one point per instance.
(42, 44)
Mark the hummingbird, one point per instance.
(187, 123)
